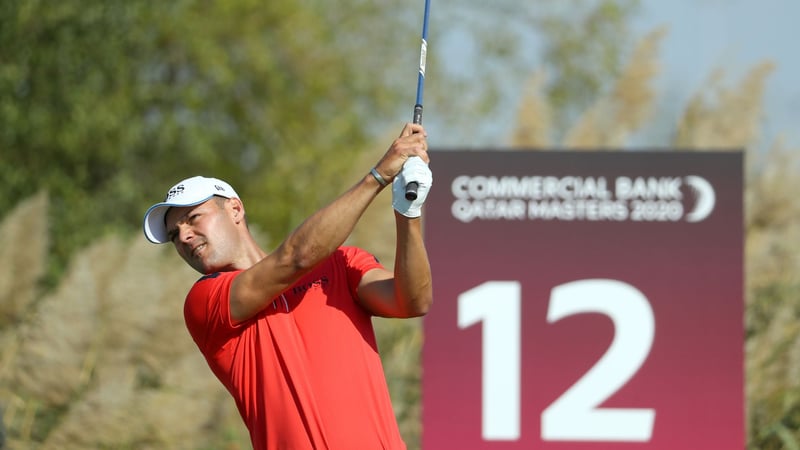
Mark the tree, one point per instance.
(105, 104)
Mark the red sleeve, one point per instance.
(358, 262)
(207, 312)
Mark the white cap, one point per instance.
(189, 192)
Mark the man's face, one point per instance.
(203, 234)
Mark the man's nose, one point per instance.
(185, 233)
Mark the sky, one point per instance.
(702, 36)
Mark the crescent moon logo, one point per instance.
(705, 198)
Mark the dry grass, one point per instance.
(720, 117)
(534, 117)
(613, 118)
(104, 361)
(23, 240)
(773, 303)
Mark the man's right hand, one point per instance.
(411, 142)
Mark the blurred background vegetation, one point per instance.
(105, 104)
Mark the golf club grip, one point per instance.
(411, 188)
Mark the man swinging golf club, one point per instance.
(289, 332)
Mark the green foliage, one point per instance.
(107, 103)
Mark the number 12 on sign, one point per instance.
(575, 415)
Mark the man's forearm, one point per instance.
(412, 272)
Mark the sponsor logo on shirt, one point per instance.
(319, 283)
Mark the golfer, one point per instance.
(289, 332)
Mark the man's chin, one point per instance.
(205, 269)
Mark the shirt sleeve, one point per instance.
(207, 310)
(358, 262)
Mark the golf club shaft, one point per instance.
(411, 188)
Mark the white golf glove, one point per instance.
(414, 169)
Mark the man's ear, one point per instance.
(237, 209)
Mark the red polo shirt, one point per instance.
(305, 372)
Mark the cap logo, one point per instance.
(177, 190)
(219, 188)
